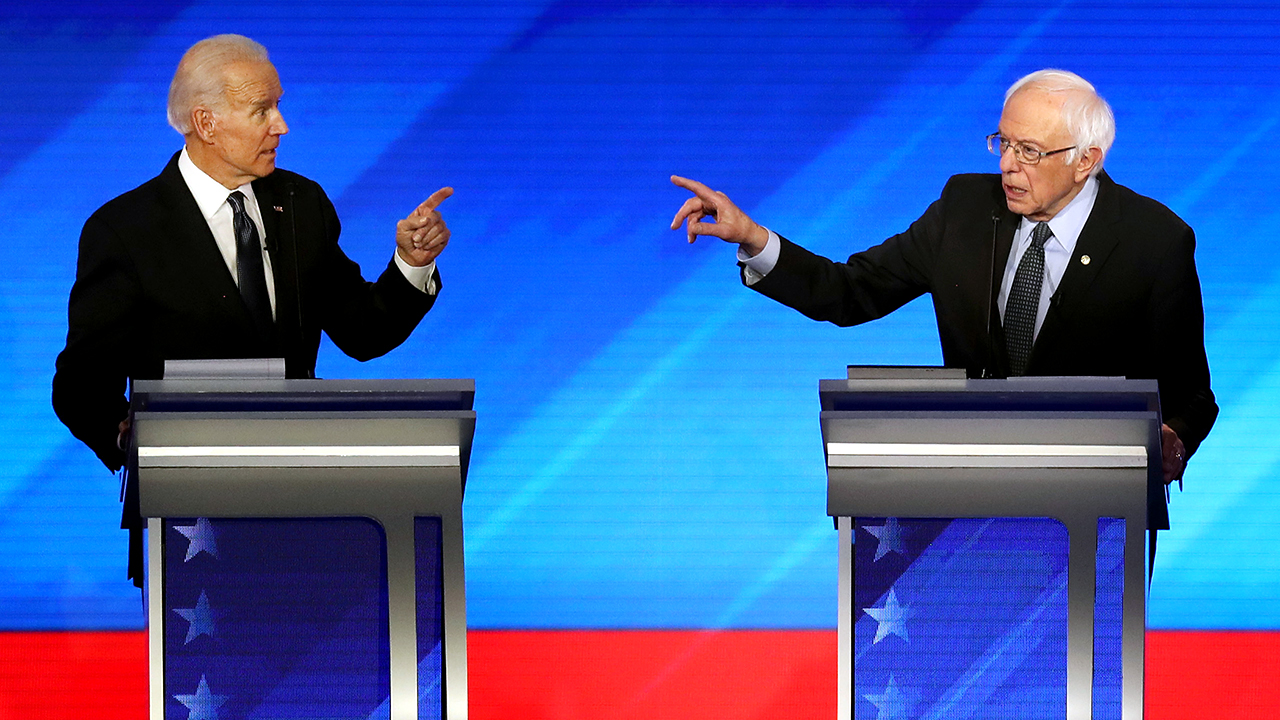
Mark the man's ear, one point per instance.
(1089, 159)
(203, 124)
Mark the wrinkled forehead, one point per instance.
(1033, 115)
(252, 82)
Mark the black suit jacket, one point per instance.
(1133, 310)
(152, 286)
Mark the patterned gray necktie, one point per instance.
(1024, 301)
(250, 275)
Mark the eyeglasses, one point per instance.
(1022, 152)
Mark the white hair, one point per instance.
(1088, 118)
(201, 79)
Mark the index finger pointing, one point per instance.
(703, 192)
(432, 202)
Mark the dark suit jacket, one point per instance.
(1134, 310)
(151, 286)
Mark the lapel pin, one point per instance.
(1084, 259)
(277, 208)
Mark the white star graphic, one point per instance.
(203, 704)
(894, 702)
(890, 537)
(891, 619)
(200, 538)
(199, 618)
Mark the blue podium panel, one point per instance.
(288, 618)
(429, 579)
(968, 618)
(1108, 621)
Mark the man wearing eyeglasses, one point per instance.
(1049, 268)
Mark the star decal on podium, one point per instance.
(891, 619)
(199, 619)
(199, 537)
(890, 537)
(203, 704)
(894, 703)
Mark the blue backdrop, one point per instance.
(647, 453)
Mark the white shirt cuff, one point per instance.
(422, 278)
(754, 268)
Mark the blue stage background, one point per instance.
(647, 453)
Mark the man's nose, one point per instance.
(278, 125)
(1008, 163)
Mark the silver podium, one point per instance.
(390, 450)
(912, 445)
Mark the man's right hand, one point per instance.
(731, 224)
(421, 237)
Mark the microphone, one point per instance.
(992, 294)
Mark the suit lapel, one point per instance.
(1097, 241)
(274, 207)
(189, 232)
(270, 210)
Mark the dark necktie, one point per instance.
(1024, 301)
(250, 275)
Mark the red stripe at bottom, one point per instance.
(618, 675)
(1219, 674)
(73, 675)
(599, 675)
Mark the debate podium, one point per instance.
(304, 546)
(991, 532)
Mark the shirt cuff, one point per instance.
(423, 278)
(755, 268)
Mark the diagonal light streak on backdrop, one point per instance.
(815, 179)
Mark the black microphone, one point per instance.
(992, 293)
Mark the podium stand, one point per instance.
(216, 457)
(1082, 451)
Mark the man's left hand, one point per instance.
(422, 236)
(1175, 454)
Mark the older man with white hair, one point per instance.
(1049, 268)
(224, 256)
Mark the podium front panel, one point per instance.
(288, 618)
(1000, 527)
(972, 614)
(280, 618)
(340, 592)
